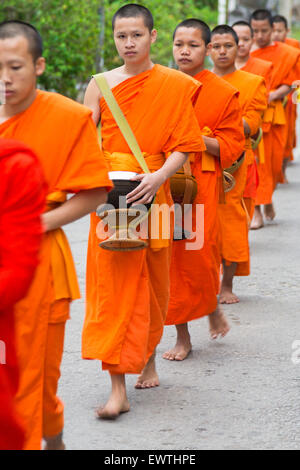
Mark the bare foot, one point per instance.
(113, 408)
(149, 377)
(257, 221)
(269, 211)
(228, 297)
(219, 325)
(179, 353)
(54, 443)
(183, 345)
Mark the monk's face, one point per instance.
(279, 32)
(189, 50)
(223, 51)
(245, 41)
(18, 71)
(262, 33)
(133, 39)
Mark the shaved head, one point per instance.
(13, 29)
(133, 10)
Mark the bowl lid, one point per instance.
(121, 175)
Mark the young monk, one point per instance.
(128, 293)
(22, 201)
(284, 60)
(280, 33)
(245, 62)
(63, 135)
(233, 214)
(195, 275)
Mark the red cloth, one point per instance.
(22, 200)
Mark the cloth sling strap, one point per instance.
(121, 121)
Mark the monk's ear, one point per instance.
(153, 36)
(40, 66)
(209, 49)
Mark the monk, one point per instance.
(22, 201)
(280, 34)
(284, 59)
(128, 293)
(245, 62)
(233, 214)
(195, 275)
(63, 136)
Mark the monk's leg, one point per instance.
(158, 263)
(218, 324)
(226, 295)
(118, 402)
(257, 221)
(183, 345)
(53, 408)
(269, 212)
(284, 168)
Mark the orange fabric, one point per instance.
(291, 113)
(195, 274)
(250, 206)
(285, 60)
(53, 409)
(127, 293)
(22, 200)
(232, 214)
(63, 135)
(292, 42)
(264, 69)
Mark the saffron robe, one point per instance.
(22, 200)
(263, 69)
(128, 293)
(233, 214)
(291, 112)
(64, 138)
(285, 61)
(195, 274)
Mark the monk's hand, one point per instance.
(145, 192)
(273, 96)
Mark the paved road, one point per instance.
(238, 393)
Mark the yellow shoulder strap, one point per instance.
(121, 121)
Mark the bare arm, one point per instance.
(78, 206)
(212, 146)
(280, 93)
(150, 183)
(91, 100)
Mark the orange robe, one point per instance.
(22, 201)
(291, 112)
(64, 137)
(233, 214)
(284, 59)
(195, 274)
(128, 293)
(263, 69)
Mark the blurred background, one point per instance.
(78, 37)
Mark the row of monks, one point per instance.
(241, 113)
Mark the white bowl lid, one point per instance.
(121, 175)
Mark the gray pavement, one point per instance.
(238, 393)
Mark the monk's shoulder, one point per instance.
(18, 160)
(218, 84)
(177, 77)
(249, 79)
(63, 106)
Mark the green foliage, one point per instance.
(73, 29)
